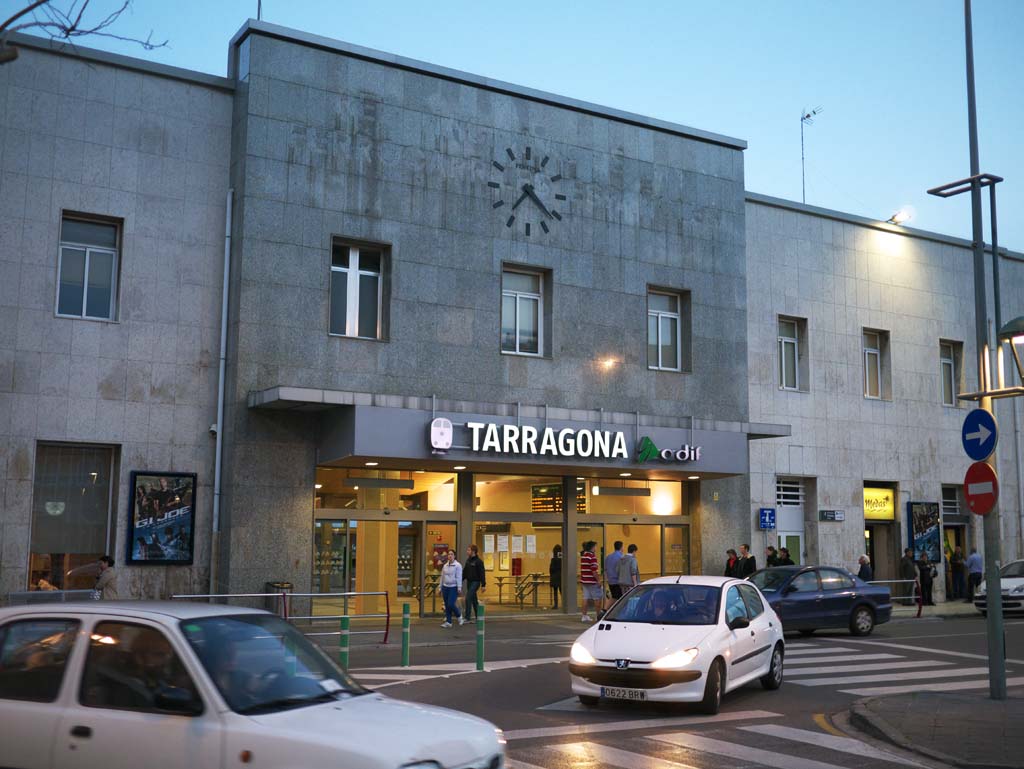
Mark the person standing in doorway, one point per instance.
(106, 584)
(771, 558)
(927, 575)
(611, 570)
(732, 564)
(450, 589)
(908, 572)
(476, 580)
(784, 559)
(555, 574)
(629, 570)
(748, 564)
(956, 566)
(975, 568)
(865, 572)
(590, 581)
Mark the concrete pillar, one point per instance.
(465, 504)
(570, 548)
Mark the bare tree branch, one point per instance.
(65, 23)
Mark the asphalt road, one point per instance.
(525, 691)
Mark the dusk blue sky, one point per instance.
(889, 74)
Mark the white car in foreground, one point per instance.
(1011, 579)
(126, 685)
(680, 639)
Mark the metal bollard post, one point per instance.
(343, 653)
(405, 635)
(480, 637)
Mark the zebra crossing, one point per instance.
(872, 669)
(721, 745)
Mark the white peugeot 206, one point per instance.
(680, 639)
(107, 685)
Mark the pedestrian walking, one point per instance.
(771, 558)
(732, 563)
(926, 575)
(611, 570)
(629, 570)
(784, 559)
(106, 583)
(476, 580)
(956, 565)
(555, 575)
(748, 564)
(590, 581)
(908, 572)
(450, 589)
(975, 568)
(865, 572)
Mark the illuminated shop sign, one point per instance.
(879, 504)
(646, 451)
(525, 439)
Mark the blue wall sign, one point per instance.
(768, 518)
(979, 435)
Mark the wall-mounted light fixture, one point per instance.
(900, 217)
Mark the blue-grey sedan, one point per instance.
(808, 598)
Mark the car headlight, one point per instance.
(580, 655)
(1017, 590)
(676, 659)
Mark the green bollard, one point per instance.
(343, 653)
(405, 635)
(480, 637)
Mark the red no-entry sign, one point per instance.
(981, 488)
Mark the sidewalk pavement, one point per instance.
(965, 730)
(944, 609)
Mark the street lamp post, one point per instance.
(991, 527)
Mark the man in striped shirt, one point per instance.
(590, 580)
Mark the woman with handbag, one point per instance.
(106, 584)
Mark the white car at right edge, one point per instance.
(680, 639)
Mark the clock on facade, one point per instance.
(527, 191)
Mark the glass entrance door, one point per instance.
(676, 550)
(794, 542)
(439, 539)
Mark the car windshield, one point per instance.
(1013, 570)
(770, 580)
(261, 664)
(663, 604)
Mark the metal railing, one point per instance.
(283, 601)
(907, 599)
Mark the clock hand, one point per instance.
(521, 199)
(529, 191)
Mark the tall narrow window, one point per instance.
(522, 312)
(663, 331)
(789, 346)
(356, 290)
(87, 269)
(951, 500)
(872, 365)
(947, 371)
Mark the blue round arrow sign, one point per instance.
(979, 435)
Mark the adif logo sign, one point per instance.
(647, 451)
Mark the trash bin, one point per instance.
(274, 602)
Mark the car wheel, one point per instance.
(806, 633)
(713, 690)
(862, 622)
(773, 678)
(588, 701)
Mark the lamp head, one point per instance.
(900, 217)
(1013, 331)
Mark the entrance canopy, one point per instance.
(482, 437)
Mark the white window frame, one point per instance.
(875, 352)
(537, 296)
(89, 251)
(658, 315)
(352, 291)
(793, 343)
(789, 492)
(951, 507)
(947, 371)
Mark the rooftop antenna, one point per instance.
(807, 118)
(259, 9)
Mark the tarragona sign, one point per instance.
(566, 442)
(879, 504)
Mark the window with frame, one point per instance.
(872, 364)
(33, 656)
(805, 582)
(755, 606)
(832, 579)
(87, 269)
(664, 331)
(357, 290)
(734, 606)
(789, 349)
(522, 312)
(951, 500)
(948, 372)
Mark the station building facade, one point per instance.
(457, 311)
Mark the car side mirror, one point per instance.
(789, 589)
(738, 623)
(174, 699)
